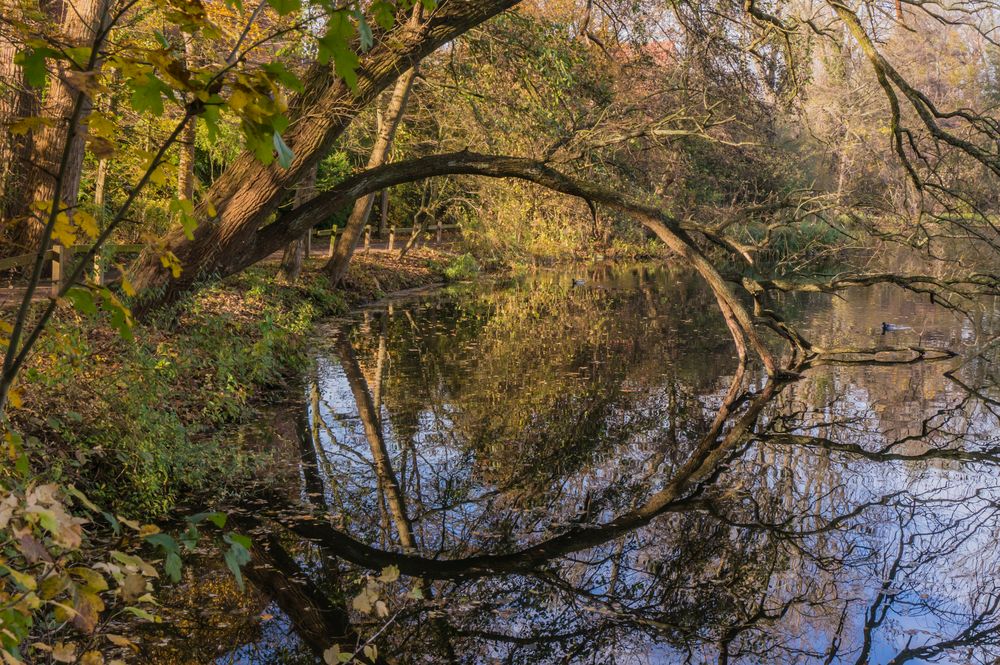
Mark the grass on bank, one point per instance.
(141, 425)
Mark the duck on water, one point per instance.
(891, 327)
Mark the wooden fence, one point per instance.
(62, 257)
(437, 230)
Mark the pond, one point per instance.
(557, 470)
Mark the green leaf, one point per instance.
(211, 116)
(142, 614)
(119, 316)
(164, 541)
(364, 31)
(113, 521)
(345, 63)
(236, 557)
(285, 154)
(77, 494)
(82, 299)
(32, 61)
(218, 519)
(172, 566)
(147, 94)
(384, 13)
(233, 537)
(284, 7)
(278, 72)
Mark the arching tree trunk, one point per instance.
(291, 260)
(82, 24)
(249, 192)
(336, 267)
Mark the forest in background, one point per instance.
(770, 146)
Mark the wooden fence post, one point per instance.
(368, 236)
(98, 269)
(392, 237)
(439, 228)
(62, 257)
(309, 244)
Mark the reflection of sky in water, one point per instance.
(277, 644)
(469, 404)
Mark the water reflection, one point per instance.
(588, 474)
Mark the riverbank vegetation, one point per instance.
(164, 165)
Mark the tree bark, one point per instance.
(17, 101)
(291, 260)
(83, 24)
(337, 266)
(185, 161)
(249, 192)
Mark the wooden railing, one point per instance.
(437, 230)
(62, 257)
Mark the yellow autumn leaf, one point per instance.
(64, 653)
(30, 124)
(239, 99)
(63, 230)
(121, 641)
(127, 287)
(100, 125)
(14, 399)
(148, 530)
(158, 176)
(92, 658)
(86, 223)
(170, 260)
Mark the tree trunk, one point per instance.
(291, 260)
(336, 267)
(249, 192)
(82, 25)
(17, 101)
(383, 220)
(185, 161)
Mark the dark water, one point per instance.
(546, 464)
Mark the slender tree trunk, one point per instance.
(376, 440)
(249, 192)
(336, 267)
(383, 220)
(82, 24)
(291, 260)
(185, 161)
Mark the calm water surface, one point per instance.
(538, 459)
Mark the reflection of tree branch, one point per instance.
(987, 455)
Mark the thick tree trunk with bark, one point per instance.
(249, 192)
(83, 23)
(291, 260)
